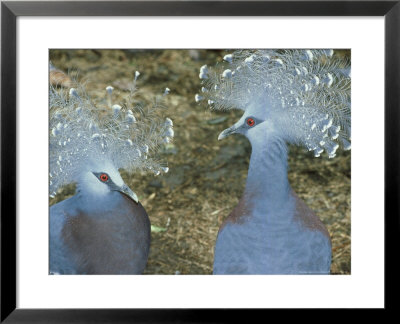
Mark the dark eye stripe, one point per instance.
(103, 177)
(109, 182)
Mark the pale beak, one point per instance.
(227, 132)
(128, 192)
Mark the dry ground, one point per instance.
(206, 177)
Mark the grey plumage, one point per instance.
(113, 240)
(103, 229)
(300, 97)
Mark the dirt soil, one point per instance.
(207, 176)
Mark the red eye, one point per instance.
(250, 122)
(103, 177)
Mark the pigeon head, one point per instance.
(92, 138)
(300, 96)
(254, 124)
(100, 179)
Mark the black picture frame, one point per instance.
(11, 10)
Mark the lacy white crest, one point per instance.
(306, 93)
(82, 131)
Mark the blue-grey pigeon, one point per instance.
(102, 229)
(300, 97)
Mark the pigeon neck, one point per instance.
(94, 202)
(267, 180)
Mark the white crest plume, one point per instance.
(83, 130)
(305, 93)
